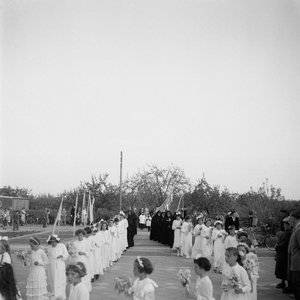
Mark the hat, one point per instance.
(218, 222)
(231, 227)
(34, 241)
(122, 213)
(295, 214)
(53, 238)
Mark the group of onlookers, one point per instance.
(10, 217)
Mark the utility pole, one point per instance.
(121, 161)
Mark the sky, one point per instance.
(210, 86)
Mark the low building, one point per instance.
(17, 203)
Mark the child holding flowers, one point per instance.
(218, 236)
(176, 226)
(235, 281)
(143, 286)
(251, 267)
(198, 237)
(78, 290)
(36, 286)
(186, 230)
(204, 287)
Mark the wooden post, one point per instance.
(121, 161)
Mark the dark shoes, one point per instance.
(287, 291)
(280, 285)
(96, 276)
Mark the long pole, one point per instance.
(121, 161)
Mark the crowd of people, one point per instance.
(215, 243)
(96, 248)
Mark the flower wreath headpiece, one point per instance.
(243, 244)
(140, 262)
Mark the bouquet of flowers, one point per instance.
(22, 256)
(184, 276)
(234, 280)
(68, 246)
(124, 285)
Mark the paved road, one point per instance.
(166, 265)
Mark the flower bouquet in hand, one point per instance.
(22, 256)
(234, 280)
(184, 277)
(124, 285)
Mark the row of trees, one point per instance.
(151, 186)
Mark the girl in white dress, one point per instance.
(186, 230)
(218, 236)
(239, 288)
(250, 263)
(204, 287)
(57, 255)
(123, 225)
(118, 238)
(206, 233)
(4, 252)
(176, 226)
(99, 243)
(143, 286)
(80, 252)
(90, 258)
(231, 239)
(106, 248)
(113, 245)
(78, 290)
(198, 237)
(8, 287)
(36, 286)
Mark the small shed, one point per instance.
(17, 203)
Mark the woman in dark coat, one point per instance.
(281, 268)
(154, 226)
(167, 227)
(160, 217)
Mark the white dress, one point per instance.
(82, 246)
(106, 248)
(244, 283)
(99, 243)
(79, 292)
(206, 242)
(123, 225)
(118, 242)
(186, 239)
(204, 289)
(253, 274)
(144, 289)
(37, 281)
(219, 250)
(91, 259)
(57, 269)
(198, 240)
(177, 233)
(113, 245)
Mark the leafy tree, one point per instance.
(16, 192)
(151, 187)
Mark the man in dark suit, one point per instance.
(294, 253)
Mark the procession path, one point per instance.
(166, 265)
